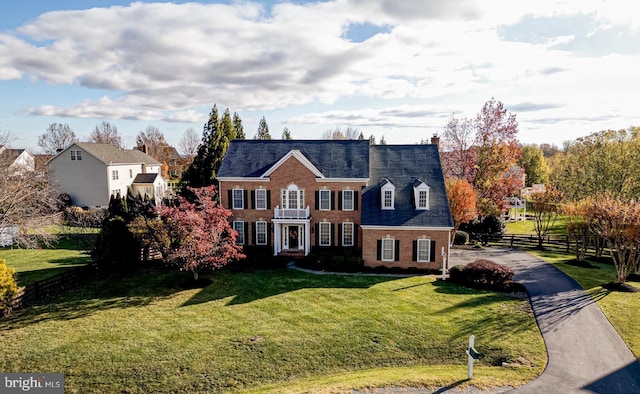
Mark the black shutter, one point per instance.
(317, 200)
(245, 201)
(268, 199)
(432, 253)
(317, 234)
(230, 192)
(246, 233)
(379, 250)
(355, 200)
(339, 201)
(333, 232)
(254, 238)
(414, 253)
(355, 235)
(269, 233)
(333, 200)
(397, 251)
(340, 234)
(253, 199)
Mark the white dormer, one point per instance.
(421, 194)
(387, 195)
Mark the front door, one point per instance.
(292, 237)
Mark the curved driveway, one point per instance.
(586, 355)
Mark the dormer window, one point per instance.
(421, 195)
(387, 195)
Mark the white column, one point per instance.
(307, 238)
(276, 239)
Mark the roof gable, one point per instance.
(296, 154)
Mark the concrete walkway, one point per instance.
(586, 355)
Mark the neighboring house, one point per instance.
(387, 202)
(152, 185)
(91, 173)
(16, 159)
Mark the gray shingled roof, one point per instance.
(402, 165)
(333, 158)
(145, 178)
(111, 154)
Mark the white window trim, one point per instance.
(264, 192)
(261, 229)
(344, 225)
(353, 196)
(233, 199)
(238, 225)
(327, 226)
(428, 243)
(416, 196)
(391, 188)
(327, 195)
(393, 249)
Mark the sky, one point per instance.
(398, 69)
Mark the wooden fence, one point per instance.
(49, 287)
(552, 243)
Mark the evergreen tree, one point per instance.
(263, 130)
(286, 135)
(237, 124)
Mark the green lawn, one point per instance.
(620, 308)
(559, 227)
(32, 265)
(271, 331)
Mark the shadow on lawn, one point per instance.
(98, 292)
(146, 285)
(251, 286)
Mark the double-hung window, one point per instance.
(114, 175)
(347, 234)
(388, 249)
(239, 227)
(237, 196)
(325, 200)
(423, 250)
(325, 234)
(76, 155)
(347, 200)
(261, 198)
(261, 233)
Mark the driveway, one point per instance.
(586, 355)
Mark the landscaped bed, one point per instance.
(280, 331)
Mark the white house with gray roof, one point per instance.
(91, 173)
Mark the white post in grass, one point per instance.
(444, 264)
(472, 355)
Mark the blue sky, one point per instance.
(398, 69)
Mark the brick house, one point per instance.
(386, 202)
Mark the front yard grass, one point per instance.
(271, 331)
(620, 308)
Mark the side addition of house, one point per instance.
(387, 202)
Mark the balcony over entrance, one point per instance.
(287, 213)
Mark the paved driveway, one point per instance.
(586, 355)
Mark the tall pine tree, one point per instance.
(263, 130)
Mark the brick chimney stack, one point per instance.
(435, 140)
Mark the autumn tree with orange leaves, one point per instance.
(485, 151)
(462, 202)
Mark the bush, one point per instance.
(78, 217)
(115, 246)
(8, 287)
(491, 227)
(482, 274)
(461, 238)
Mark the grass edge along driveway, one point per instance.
(278, 331)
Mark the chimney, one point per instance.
(435, 140)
